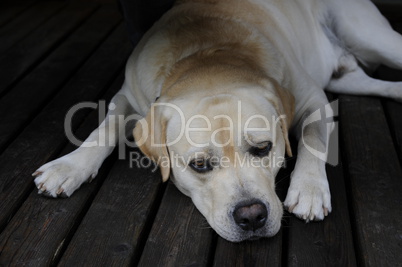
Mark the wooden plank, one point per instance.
(27, 22)
(28, 51)
(114, 229)
(56, 69)
(44, 136)
(263, 252)
(40, 230)
(326, 243)
(180, 235)
(393, 109)
(10, 11)
(375, 179)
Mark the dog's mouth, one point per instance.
(254, 238)
(235, 234)
(251, 238)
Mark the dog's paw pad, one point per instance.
(308, 201)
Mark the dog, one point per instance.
(219, 84)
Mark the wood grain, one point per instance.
(47, 224)
(180, 235)
(10, 11)
(328, 242)
(28, 21)
(112, 231)
(31, 49)
(43, 138)
(375, 179)
(49, 76)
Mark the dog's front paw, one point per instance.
(308, 198)
(61, 177)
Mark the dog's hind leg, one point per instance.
(61, 177)
(366, 34)
(355, 81)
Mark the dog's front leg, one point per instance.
(308, 196)
(61, 177)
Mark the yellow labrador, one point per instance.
(219, 83)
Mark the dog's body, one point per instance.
(215, 65)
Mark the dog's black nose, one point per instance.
(250, 216)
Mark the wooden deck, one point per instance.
(57, 54)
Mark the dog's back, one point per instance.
(316, 34)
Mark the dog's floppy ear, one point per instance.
(150, 136)
(284, 103)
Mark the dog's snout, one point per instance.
(251, 216)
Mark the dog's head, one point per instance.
(224, 147)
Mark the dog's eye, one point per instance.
(261, 150)
(201, 165)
